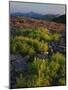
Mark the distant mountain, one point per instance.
(29, 14)
(60, 19)
(49, 17)
(17, 14)
(34, 15)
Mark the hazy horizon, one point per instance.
(25, 7)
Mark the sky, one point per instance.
(23, 7)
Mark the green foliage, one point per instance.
(56, 36)
(44, 72)
(41, 72)
(57, 67)
(39, 34)
(62, 81)
(31, 41)
(36, 74)
(25, 45)
(20, 81)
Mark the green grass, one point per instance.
(30, 41)
(25, 45)
(41, 72)
(39, 34)
(44, 72)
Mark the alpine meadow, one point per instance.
(37, 44)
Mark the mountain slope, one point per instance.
(23, 22)
(34, 15)
(60, 19)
